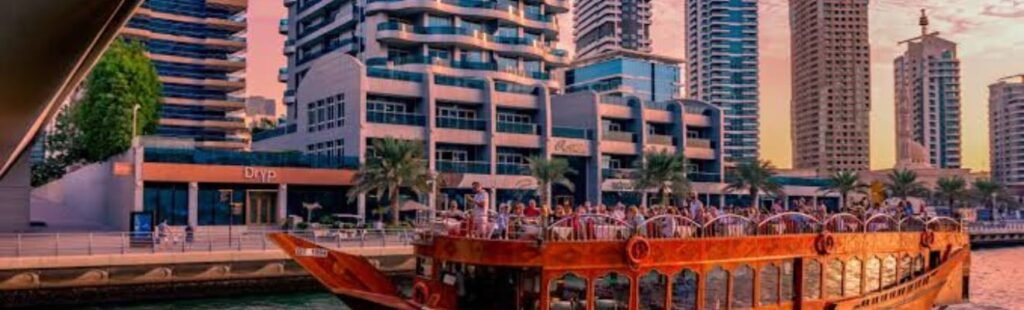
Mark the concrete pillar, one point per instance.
(361, 206)
(193, 204)
(282, 203)
(15, 196)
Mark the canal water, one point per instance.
(996, 283)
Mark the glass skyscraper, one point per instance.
(721, 50)
(195, 46)
(650, 78)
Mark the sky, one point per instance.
(990, 34)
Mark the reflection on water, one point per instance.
(995, 278)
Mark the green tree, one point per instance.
(987, 192)
(548, 172)
(844, 183)
(754, 176)
(951, 189)
(123, 78)
(903, 183)
(663, 172)
(395, 164)
(62, 149)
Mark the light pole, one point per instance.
(228, 196)
(135, 120)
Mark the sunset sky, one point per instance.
(990, 34)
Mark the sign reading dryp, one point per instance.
(260, 174)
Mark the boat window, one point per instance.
(424, 267)
(715, 289)
(787, 281)
(906, 265)
(851, 287)
(684, 290)
(812, 280)
(769, 285)
(889, 271)
(568, 292)
(919, 265)
(834, 279)
(743, 288)
(873, 274)
(652, 290)
(611, 292)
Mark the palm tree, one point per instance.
(951, 189)
(663, 172)
(903, 183)
(844, 183)
(395, 164)
(754, 176)
(987, 191)
(548, 172)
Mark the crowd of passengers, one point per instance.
(525, 218)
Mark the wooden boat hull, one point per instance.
(851, 270)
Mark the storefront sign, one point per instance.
(260, 174)
(621, 186)
(571, 147)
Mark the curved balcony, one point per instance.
(227, 124)
(231, 84)
(467, 7)
(236, 24)
(229, 64)
(230, 104)
(464, 68)
(234, 44)
(394, 32)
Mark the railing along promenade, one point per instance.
(601, 227)
(116, 243)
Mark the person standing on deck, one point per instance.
(481, 205)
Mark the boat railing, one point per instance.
(844, 223)
(913, 224)
(588, 227)
(669, 226)
(789, 223)
(730, 225)
(602, 227)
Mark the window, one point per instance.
(167, 202)
(333, 149)
(325, 113)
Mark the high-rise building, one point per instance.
(260, 111)
(196, 46)
(831, 85)
(1005, 98)
(721, 47)
(927, 78)
(606, 25)
(619, 73)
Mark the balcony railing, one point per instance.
(279, 131)
(475, 4)
(383, 117)
(461, 123)
(394, 74)
(708, 177)
(234, 158)
(513, 169)
(618, 173)
(660, 139)
(475, 167)
(569, 132)
(696, 142)
(523, 128)
(621, 136)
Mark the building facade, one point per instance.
(831, 84)
(195, 46)
(721, 47)
(927, 78)
(1006, 97)
(602, 26)
(260, 111)
(623, 73)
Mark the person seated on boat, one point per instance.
(636, 219)
(502, 222)
(619, 212)
(481, 206)
(601, 209)
(669, 224)
(531, 209)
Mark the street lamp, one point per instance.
(135, 120)
(228, 196)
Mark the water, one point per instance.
(995, 278)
